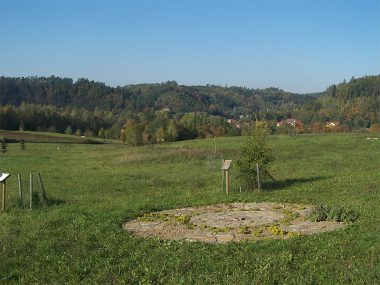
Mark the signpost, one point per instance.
(3, 180)
(225, 167)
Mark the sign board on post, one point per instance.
(4, 176)
(3, 180)
(225, 167)
(226, 164)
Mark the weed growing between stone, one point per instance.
(337, 214)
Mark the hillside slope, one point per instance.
(60, 105)
(216, 100)
(355, 104)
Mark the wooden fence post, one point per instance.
(43, 190)
(19, 190)
(222, 180)
(258, 176)
(4, 194)
(227, 183)
(31, 190)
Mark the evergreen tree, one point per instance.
(101, 133)
(255, 151)
(68, 130)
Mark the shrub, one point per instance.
(276, 231)
(69, 130)
(375, 128)
(337, 214)
(243, 230)
(22, 145)
(3, 145)
(255, 151)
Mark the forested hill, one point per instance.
(84, 106)
(355, 104)
(225, 101)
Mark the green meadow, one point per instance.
(94, 189)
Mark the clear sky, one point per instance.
(297, 45)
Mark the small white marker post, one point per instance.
(225, 167)
(3, 180)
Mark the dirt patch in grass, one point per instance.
(223, 223)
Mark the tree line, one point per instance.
(161, 126)
(168, 111)
(215, 100)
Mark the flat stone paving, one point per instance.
(223, 223)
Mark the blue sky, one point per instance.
(297, 45)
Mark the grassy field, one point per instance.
(80, 240)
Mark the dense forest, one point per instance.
(168, 111)
(355, 104)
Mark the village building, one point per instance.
(289, 122)
(332, 124)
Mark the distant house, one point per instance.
(332, 124)
(233, 122)
(289, 122)
(239, 124)
(243, 124)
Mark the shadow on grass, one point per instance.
(39, 201)
(280, 185)
(54, 202)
